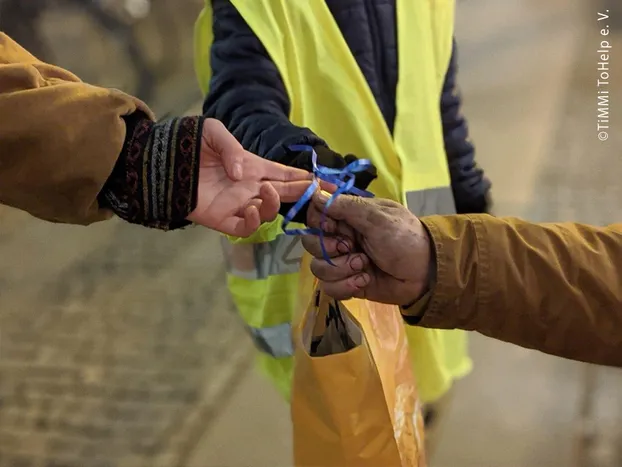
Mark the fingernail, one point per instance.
(361, 280)
(343, 246)
(356, 263)
(323, 197)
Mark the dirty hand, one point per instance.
(381, 251)
(238, 190)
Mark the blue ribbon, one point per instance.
(343, 179)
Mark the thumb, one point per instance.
(223, 143)
(359, 213)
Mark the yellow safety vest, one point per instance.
(329, 94)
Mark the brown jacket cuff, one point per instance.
(458, 286)
(155, 180)
(414, 312)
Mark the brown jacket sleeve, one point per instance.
(59, 138)
(552, 287)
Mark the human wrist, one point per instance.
(155, 180)
(426, 285)
(415, 309)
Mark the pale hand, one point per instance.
(239, 190)
(380, 250)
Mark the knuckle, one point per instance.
(360, 201)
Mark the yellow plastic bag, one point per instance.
(354, 399)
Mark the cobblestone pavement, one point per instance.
(114, 353)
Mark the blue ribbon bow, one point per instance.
(343, 179)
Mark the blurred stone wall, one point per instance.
(144, 47)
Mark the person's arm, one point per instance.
(552, 287)
(470, 186)
(247, 93)
(75, 153)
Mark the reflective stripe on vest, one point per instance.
(254, 261)
(328, 93)
(276, 341)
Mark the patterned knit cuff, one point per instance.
(155, 180)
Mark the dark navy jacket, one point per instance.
(248, 95)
